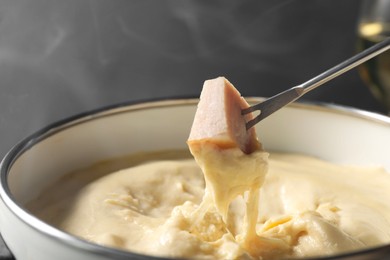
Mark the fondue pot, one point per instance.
(333, 133)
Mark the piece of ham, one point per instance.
(233, 164)
(218, 118)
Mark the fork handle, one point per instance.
(278, 101)
(346, 65)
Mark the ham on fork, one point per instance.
(230, 156)
(218, 118)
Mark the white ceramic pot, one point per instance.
(336, 134)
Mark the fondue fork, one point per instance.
(284, 98)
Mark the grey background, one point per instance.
(59, 58)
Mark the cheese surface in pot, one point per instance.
(307, 207)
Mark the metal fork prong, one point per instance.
(272, 104)
(252, 122)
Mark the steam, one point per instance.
(204, 29)
(59, 58)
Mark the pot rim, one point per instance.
(45, 229)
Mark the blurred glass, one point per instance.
(373, 27)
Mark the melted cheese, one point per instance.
(306, 207)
